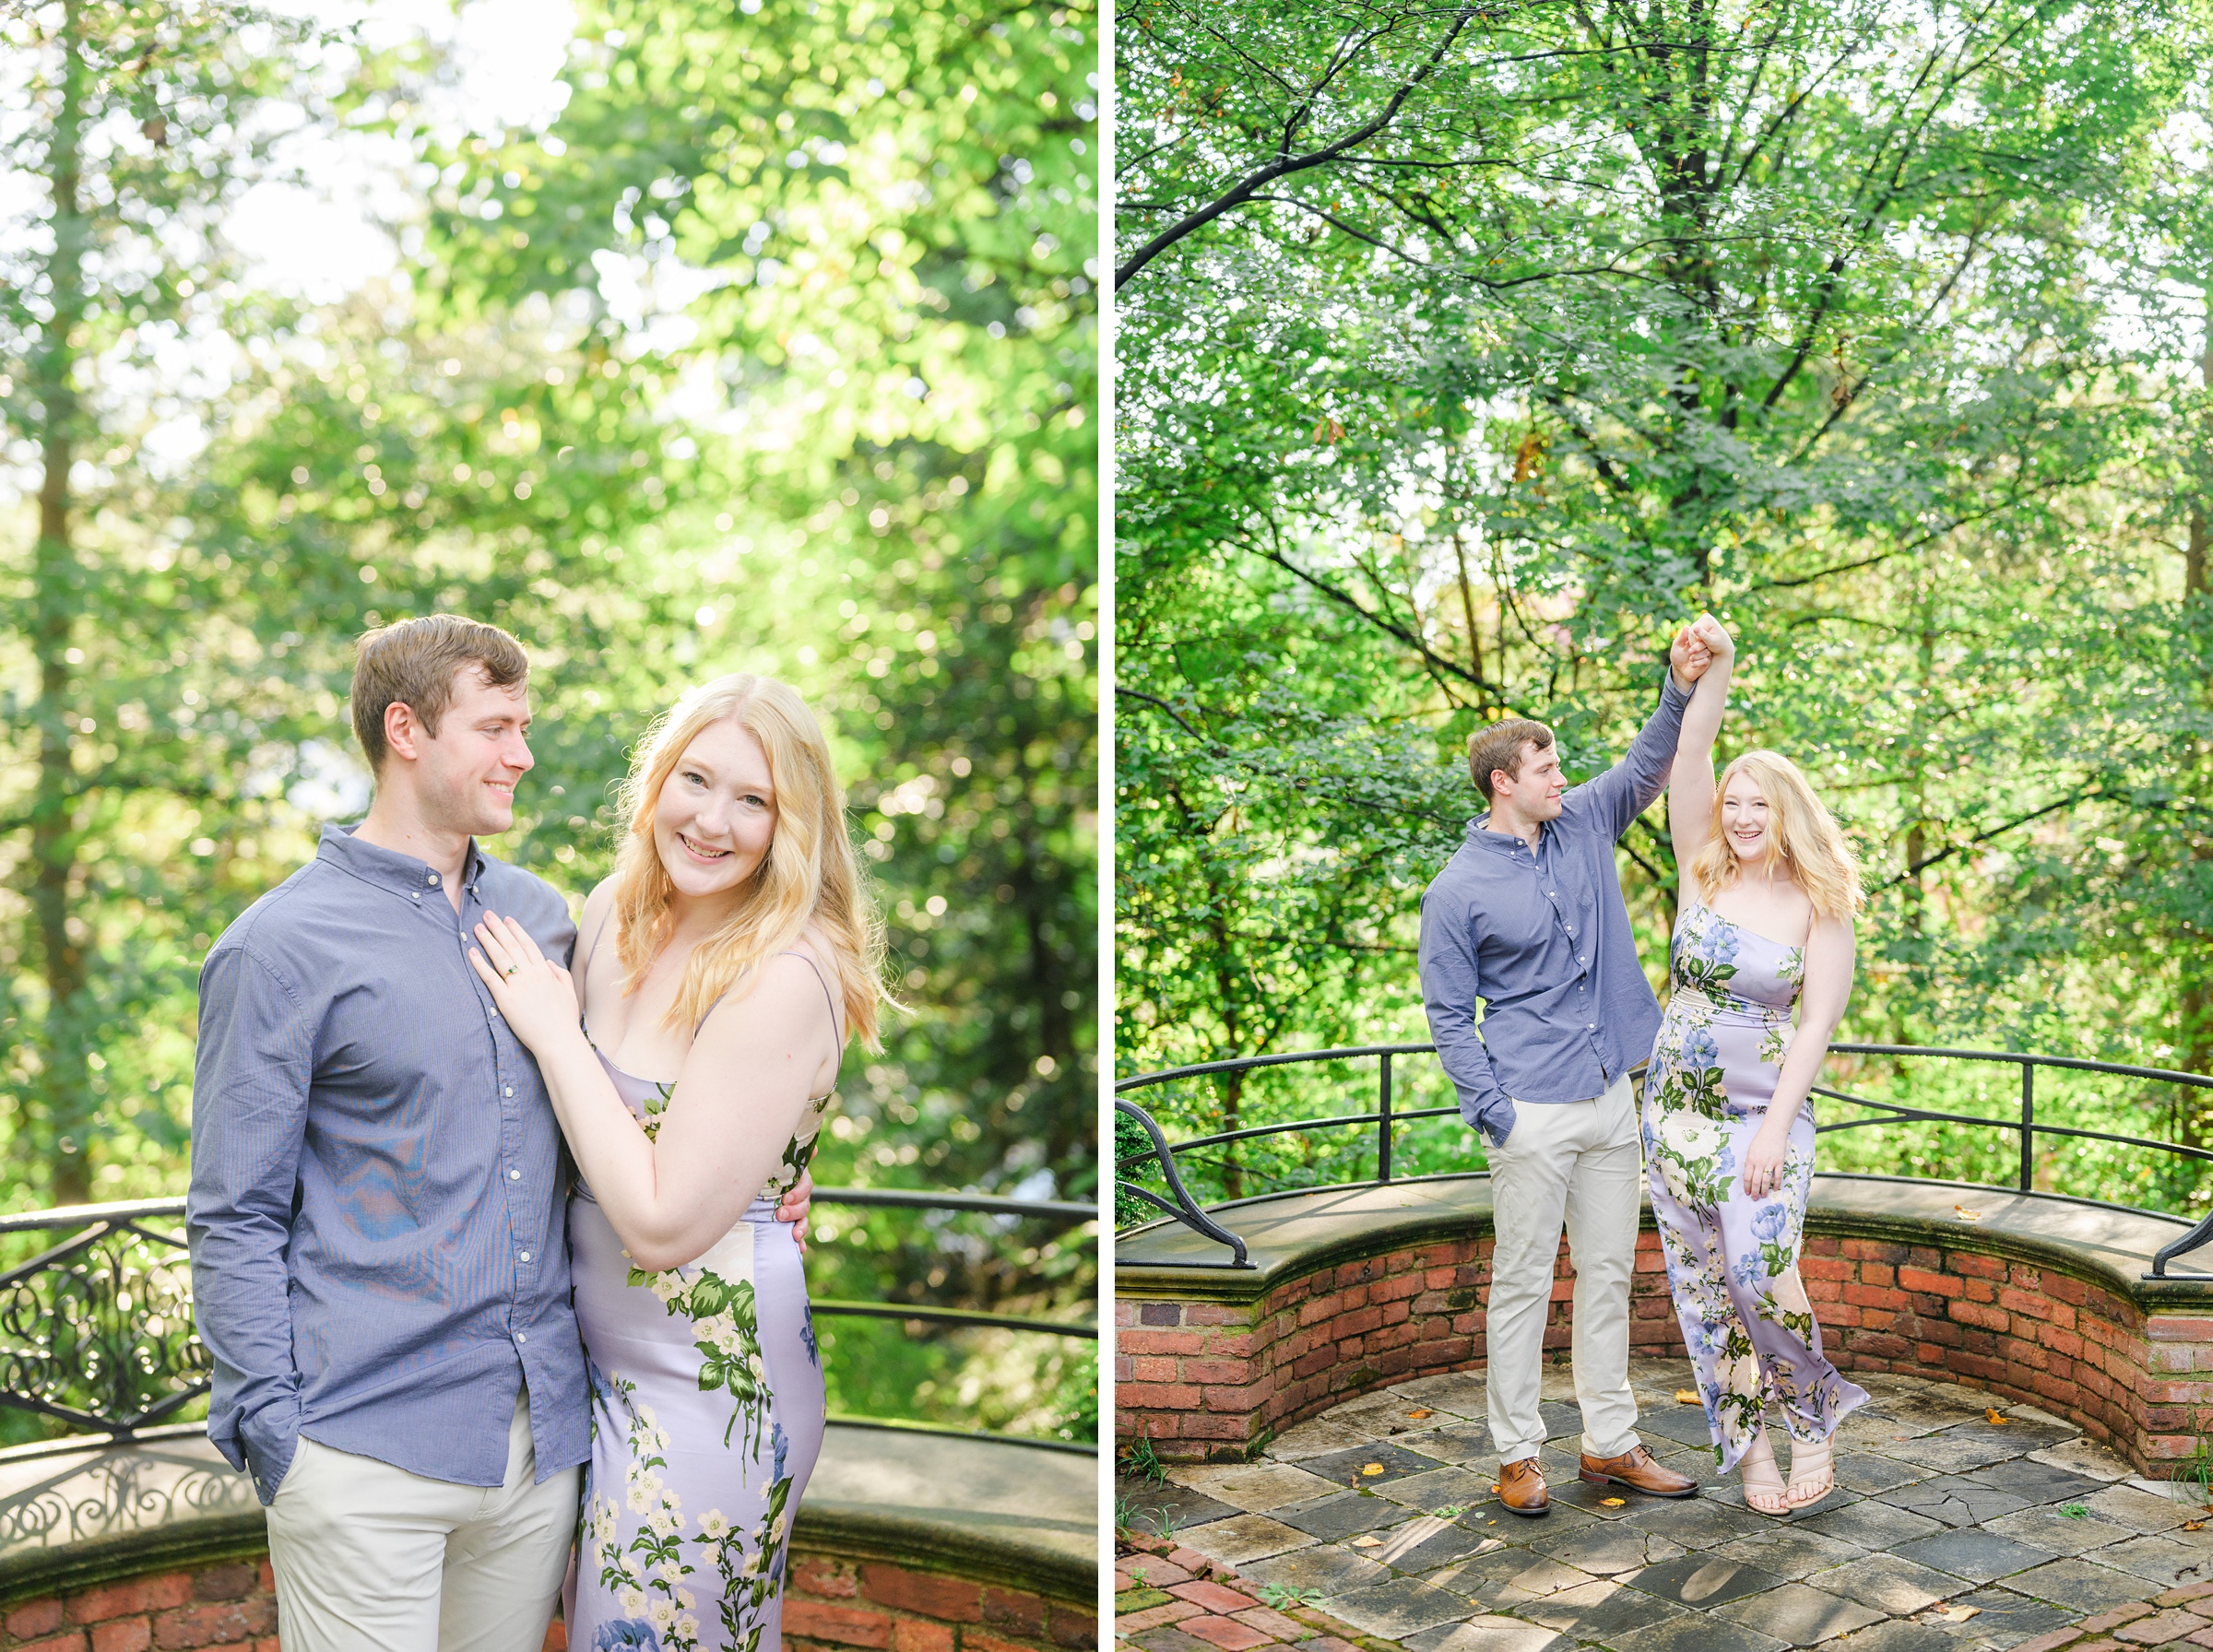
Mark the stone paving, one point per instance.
(1954, 1527)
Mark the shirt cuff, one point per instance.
(1671, 695)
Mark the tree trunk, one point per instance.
(64, 1086)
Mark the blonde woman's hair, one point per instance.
(1800, 832)
(810, 883)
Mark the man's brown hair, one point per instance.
(414, 662)
(1498, 746)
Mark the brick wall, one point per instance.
(833, 1602)
(1215, 1381)
(829, 1603)
(223, 1609)
(2141, 1382)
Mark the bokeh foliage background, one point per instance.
(771, 344)
(1463, 350)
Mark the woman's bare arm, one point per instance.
(1690, 782)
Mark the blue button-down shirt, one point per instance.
(379, 1254)
(1541, 939)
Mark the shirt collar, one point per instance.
(387, 869)
(1505, 843)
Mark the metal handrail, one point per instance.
(88, 1226)
(1187, 1211)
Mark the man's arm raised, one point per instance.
(1633, 784)
(250, 1086)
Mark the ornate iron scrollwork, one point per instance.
(97, 1332)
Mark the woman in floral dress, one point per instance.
(1768, 891)
(734, 949)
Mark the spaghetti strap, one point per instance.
(829, 998)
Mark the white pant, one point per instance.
(1580, 1163)
(370, 1558)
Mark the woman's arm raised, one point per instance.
(743, 1090)
(1690, 781)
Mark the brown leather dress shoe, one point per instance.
(1521, 1488)
(1636, 1470)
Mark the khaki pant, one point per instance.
(370, 1558)
(1581, 1164)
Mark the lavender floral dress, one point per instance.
(1731, 1259)
(707, 1413)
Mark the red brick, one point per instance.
(1009, 1609)
(1154, 1617)
(814, 1574)
(132, 1596)
(34, 1618)
(974, 1640)
(2050, 1643)
(919, 1635)
(212, 1624)
(73, 1641)
(840, 1626)
(1272, 1622)
(2114, 1617)
(1137, 1340)
(1211, 1596)
(1225, 1633)
(226, 1583)
(1074, 1628)
(2169, 1625)
(2185, 1594)
(1218, 1371)
(1207, 1313)
(122, 1634)
(934, 1596)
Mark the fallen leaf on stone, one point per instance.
(1371, 1468)
(1964, 1214)
(1613, 1502)
(1688, 1397)
(1955, 1614)
(2194, 1525)
(1996, 1416)
(1417, 1416)
(1370, 1541)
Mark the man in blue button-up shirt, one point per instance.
(380, 1261)
(1526, 919)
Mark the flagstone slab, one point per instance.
(1439, 1488)
(1253, 1487)
(1890, 1583)
(1158, 1509)
(1800, 1615)
(1598, 1611)
(2005, 1617)
(1488, 1634)
(1696, 1633)
(1453, 1443)
(1954, 1499)
(1790, 1551)
(1341, 1515)
(1324, 1568)
(2038, 1481)
(1608, 1551)
(2050, 1526)
(1243, 1538)
(2080, 1583)
(2158, 1559)
(1703, 1581)
(1979, 1556)
(1395, 1610)
(1871, 1524)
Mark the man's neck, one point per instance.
(1505, 818)
(392, 824)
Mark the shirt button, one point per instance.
(429, 877)
(524, 1253)
(514, 1176)
(522, 1336)
(509, 1091)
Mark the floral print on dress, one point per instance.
(707, 1413)
(1731, 1259)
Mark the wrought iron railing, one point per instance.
(96, 1330)
(1184, 1209)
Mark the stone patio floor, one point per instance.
(1954, 1527)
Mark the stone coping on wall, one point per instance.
(1287, 1236)
(1019, 1514)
